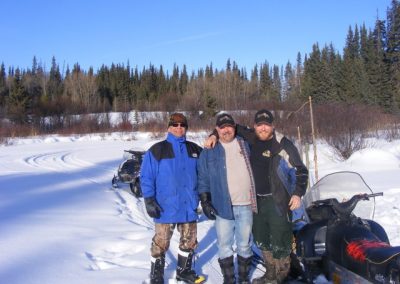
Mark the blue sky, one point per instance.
(195, 33)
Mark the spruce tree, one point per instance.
(3, 85)
(328, 73)
(209, 72)
(162, 82)
(228, 65)
(276, 84)
(54, 85)
(183, 80)
(393, 51)
(34, 65)
(312, 76)
(289, 83)
(174, 80)
(103, 87)
(377, 68)
(265, 81)
(299, 76)
(235, 68)
(18, 101)
(254, 74)
(354, 84)
(32, 82)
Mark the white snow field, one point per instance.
(62, 222)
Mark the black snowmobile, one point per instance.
(129, 172)
(341, 240)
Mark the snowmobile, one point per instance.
(129, 172)
(340, 239)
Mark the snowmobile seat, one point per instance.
(376, 252)
(383, 254)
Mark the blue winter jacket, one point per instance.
(169, 173)
(212, 177)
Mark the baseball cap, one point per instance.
(225, 119)
(263, 116)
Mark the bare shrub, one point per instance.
(104, 121)
(345, 127)
(11, 130)
(82, 124)
(5, 130)
(347, 143)
(390, 130)
(125, 124)
(199, 122)
(153, 125)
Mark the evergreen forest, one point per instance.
(365, 73)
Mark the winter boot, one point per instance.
(227, 269)
(184, 270)
(282, 269)
(244, 265)
(157, 270)
(270, 273)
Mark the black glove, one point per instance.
(208, 209)
(152, 207)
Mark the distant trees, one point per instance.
(18, 100)
(366, 72)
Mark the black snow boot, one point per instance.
(244, 265)
(227, 269)
(184, 270)
(157, 270)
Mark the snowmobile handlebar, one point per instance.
(133, 152)
(345, 208)
(374, 194)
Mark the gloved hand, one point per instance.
(152, 207)
(208, 209)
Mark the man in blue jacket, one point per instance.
(227, 195)
(169, 184)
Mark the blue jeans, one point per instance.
(238, 229)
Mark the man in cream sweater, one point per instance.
(227, 194)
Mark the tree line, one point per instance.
(366, 72)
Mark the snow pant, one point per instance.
(272, 231)
(163, 235)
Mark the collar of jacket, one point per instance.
(275, 146)
(236, 137)
(173, 139)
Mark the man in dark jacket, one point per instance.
(227, 195)
(281, 180)
(169, 184)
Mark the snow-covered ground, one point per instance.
(62, 222)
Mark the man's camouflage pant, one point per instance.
(164, 232)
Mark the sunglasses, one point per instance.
(179, 125)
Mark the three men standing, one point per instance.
(244, 187)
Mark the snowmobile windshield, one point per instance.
(342, 186)
(133, 154)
